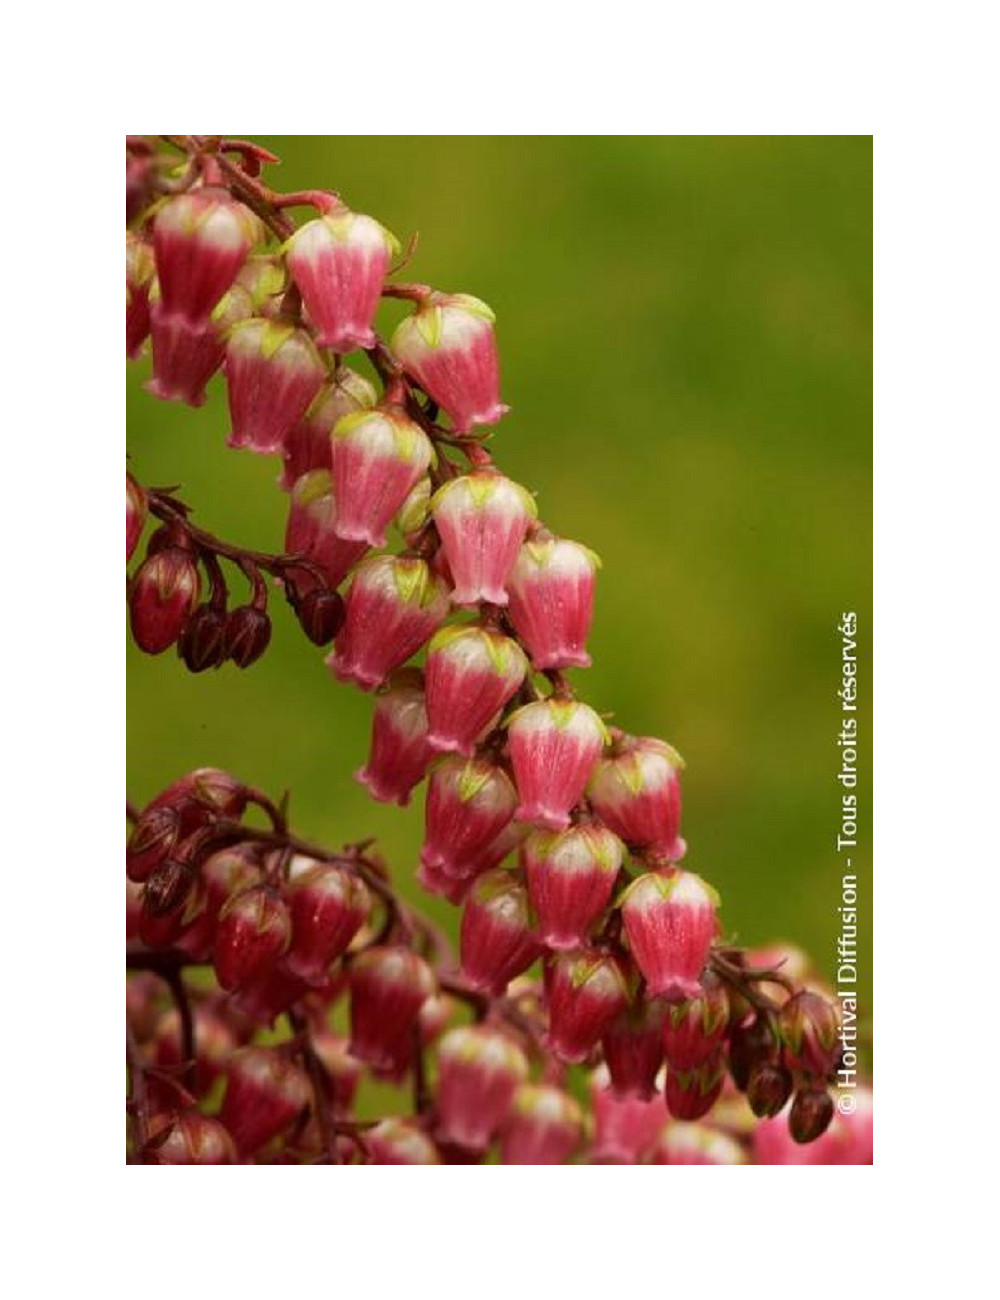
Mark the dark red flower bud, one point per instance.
(496, 940)
(389, 985)
(204, 793)
(810, 1034)
(320, 614)
(584, 991)
(768, 1090)
(633, 1048)
(254, 930)
(693, 1029)
(248, 634)
(328, 906)
(167, 886)
(215, 1041)
(691, 1094)
(810, 1116)
(265, 1092)
(154, 837)
(136, 509)
(194, 1139)
(164, 592)
(751, 1045)
(202, 644)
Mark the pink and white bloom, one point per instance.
(378, 457)
(469, 802)
(694, 1029)
(696, 1144)
(448, 345)
(200, 241)
(584, 992)
(339, 262)
(265, 1092)
(389, 985)
(311, 531)
(186, 356)
(401, 1142)
(545, 1127)
(633, 1048)
(394, 604)
(274, 372)
(625, 1127)
(479, 1070)
(554, 748)
(328, 906)
(551, 590)
(471, 673)
(496, 939)
(671, 921)
(636, 791)
(571, 875)
(400, 753)
(309, 444)
(482, 519)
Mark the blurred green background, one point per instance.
(685, 335)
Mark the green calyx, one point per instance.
(312, 487)
(413, 581)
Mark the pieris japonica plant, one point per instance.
(594, 1010)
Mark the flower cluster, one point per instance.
(557, 835)
(314, 976)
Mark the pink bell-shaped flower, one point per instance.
(670, 920)
(636, 791)
(400, 753)
(584, 992)
(551, 590)
(479, 1070)
(471, 674)
(186, 356)
(554, 747)
(274, 372)
(496, 940)
(482, 519)
(397, 1141)
(571, 875)
(311, 531)
(200, 240)
(394, 604)
(691, 1094)
(696, 1144)
(633, 1048)
(328, 906)
(309, 444)
(545, 1127)
(694, 1029)
(378, 457)
(389, 985)
(339, 262)
(469, 802)
(625, 1127)
(254, 930)
(448, 345)
(162, 597)
(265, 1092)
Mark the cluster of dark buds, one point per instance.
(268, 977)
(557, 834)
